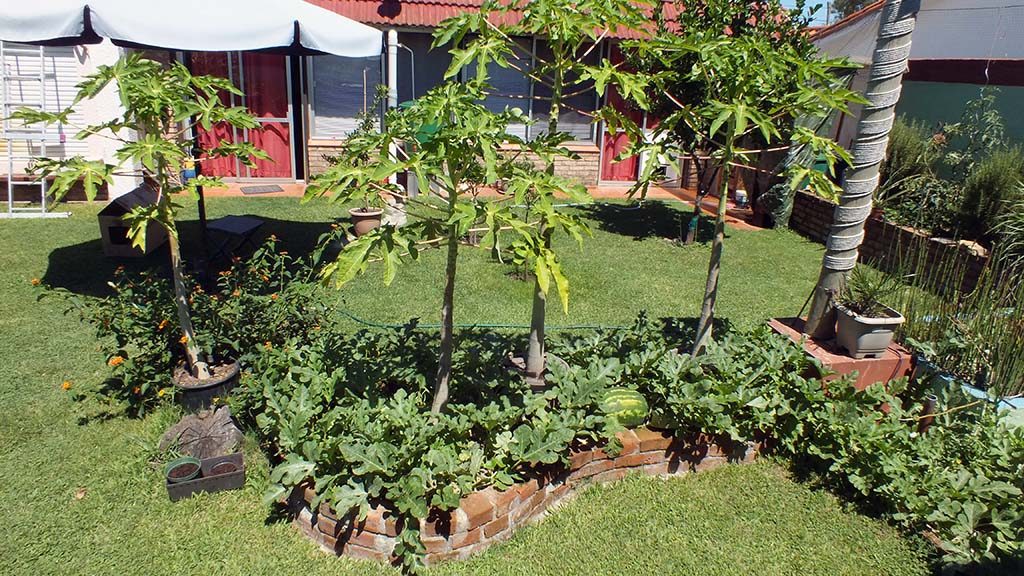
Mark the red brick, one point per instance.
(591, 469)
(467, 539)
(479, 508)
(630, 442)
(659, 469)
(379, 521)
(438, 557)
(528, 489)
(460, 522)
(363, 538)
(579, 459)
(435, 544)
(328, 525)
(611, 475)
(710, 463)
(522, 513)
(495, 526)
(651, 440)
(359, 552)
(556, 493)
(639, 459)
(503, 501)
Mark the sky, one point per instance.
(819, 16)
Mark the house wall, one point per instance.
(70, 64)
(585, 169)
(935, 103)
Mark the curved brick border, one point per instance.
(490, 516)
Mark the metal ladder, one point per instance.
(25, 90)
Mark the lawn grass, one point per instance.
(81, 498)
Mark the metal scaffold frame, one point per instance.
(25, 90)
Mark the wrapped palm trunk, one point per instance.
(888, 63)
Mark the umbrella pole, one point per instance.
(201, 203)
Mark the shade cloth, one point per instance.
(291, 26)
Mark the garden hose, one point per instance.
(509, 326)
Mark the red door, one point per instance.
(263, 79)
(626, 170)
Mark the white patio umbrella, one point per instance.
(291, 26)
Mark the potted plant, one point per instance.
(865, 326)
(160, 105)
(369, 215)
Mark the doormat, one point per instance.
(263, 189)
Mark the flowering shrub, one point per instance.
(258, 302)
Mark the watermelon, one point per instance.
(627, 406)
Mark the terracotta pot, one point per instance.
(364, 220)
(862, 336)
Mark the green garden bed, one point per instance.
(82, 498)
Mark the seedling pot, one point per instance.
(215, 475)
(864, 337)
(182, 470)
(364, 220)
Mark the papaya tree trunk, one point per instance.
(888, 63)
(197, 361)
(444, 363)
(707, 312)
(535, 353)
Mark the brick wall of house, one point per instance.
(886, 245)
(586, 168)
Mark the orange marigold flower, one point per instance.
(163, 324)
(36, 282)
(115, 361)
(267, 345)
(136, 390)
(236, 292)
(183, 340)
(265, 277)
(66, 385)
(273, 296)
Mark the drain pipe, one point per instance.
(392, 67)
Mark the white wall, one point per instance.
(946, 29)
(69, 64)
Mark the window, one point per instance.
(511, 88)
(419, 66)
(570, 118)
(342, 88)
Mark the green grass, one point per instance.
(81, 498)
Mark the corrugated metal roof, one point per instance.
(420, 13)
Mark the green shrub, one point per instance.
(989, 190)
(260, 302)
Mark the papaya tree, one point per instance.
(558, 47)
(451, 141)
(743, 92)
(160, 105)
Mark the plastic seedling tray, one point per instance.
(208, 481)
